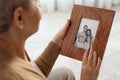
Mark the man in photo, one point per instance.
(83, 33)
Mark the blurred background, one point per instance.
(55, 15)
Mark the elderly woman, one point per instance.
(19, 19)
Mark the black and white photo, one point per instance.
(86, 33)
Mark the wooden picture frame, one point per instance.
(98, 21)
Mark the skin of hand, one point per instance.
(59, 37)
(90, 66)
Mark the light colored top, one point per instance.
(15, 68)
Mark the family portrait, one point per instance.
(86, 33)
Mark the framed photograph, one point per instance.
(89, 29)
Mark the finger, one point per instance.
(65, 29)
(90, 58)
(94, 63)
(85, 57)
(67, 25)
(98, 63)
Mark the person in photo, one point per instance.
(88, 40)
(83, 33)
(80, 42)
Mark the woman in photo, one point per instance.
(88, 40)
(19, 19)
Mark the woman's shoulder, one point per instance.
(7, 73)
(18, 69)
(15, 68)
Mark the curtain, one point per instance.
(66, 5)
(59, 5)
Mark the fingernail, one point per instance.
(99, 58)
(91, 50)
(69, 21)
(95, 53)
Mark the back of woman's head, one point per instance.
(7, 8)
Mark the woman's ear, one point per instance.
(18, 18)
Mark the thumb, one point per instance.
(66, 28)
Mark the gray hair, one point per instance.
(7, 8)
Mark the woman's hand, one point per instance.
(90, 66)
(58, 39)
